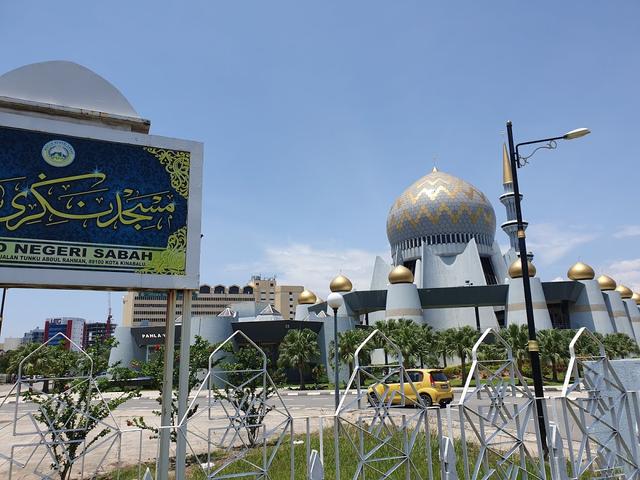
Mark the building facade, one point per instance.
(35, 335)
(149, 308)
(71, 327)
(95, 332)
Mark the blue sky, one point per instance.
(316, 115)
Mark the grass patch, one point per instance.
(349, 440)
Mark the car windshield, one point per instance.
(438, 377)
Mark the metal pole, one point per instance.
(336, 365)
(183, 385)
(167, 388)
(4, 296)
(534, 349)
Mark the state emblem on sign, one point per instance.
(58, 153)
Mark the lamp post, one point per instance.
(335, 301)
(534, 350)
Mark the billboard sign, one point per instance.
(91, 207)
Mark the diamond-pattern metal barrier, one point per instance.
(599, 417)
(244, 415)
(61, 427)
(383, 428)
(381, 436)
(497, 412)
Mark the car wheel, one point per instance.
(443, 404)
(426, 399)
(372, 400)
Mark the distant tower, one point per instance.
(508, 199)
(107, 334)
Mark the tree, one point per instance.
(297, 349)
(442, 345)
(406, 336)
(198, 359)
(518, 337)
(425, 339)
(348, 343)
(554, 349)
(619, 345)
(463, 339)
(387, 328)
(71, 409)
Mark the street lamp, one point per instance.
(335, 301)
(518, 161)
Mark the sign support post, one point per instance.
(167, 388)
(183, 384)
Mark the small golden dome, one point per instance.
(636, 298)
(400, 274)
(625, 292)
(318, 300)
(581, 271)
(515, 270)
(306, 297)
(606, 283)
(340, 284)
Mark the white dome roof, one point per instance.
(65, 84)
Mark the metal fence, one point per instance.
(238, 426)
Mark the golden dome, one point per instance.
(636, 298)
(625, 292)
(515, 270)
(340, 284)
(400, 274)
(606, 283)
(581, 271)
(306, 297)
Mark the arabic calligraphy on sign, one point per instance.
(81, 199)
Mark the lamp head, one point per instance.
(335, 300)
(577, 133)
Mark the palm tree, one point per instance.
(297, 349)
(387, 328)
(518, 337)
(425, 339)
(442, 345)
(463, 339)
(619, 345)
(406, 336)
(554, 349)
(348, 343)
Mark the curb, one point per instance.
(305, 393)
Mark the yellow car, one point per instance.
(430, 384)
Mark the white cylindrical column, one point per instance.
(403, 300)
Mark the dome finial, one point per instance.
(307, 297)
(606, 283)
(625, 292)
(581, 271)
(341, 284)
(400, 274)
(515, 270)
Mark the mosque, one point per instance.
(446, 271)
(446, 268)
